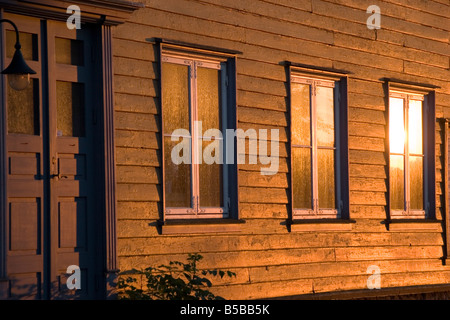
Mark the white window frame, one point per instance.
(196, 211)
(316, 212)
(407, 212)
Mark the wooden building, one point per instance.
(361, 183)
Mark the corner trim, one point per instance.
(109, 149)
(445, 124)
(3, 158)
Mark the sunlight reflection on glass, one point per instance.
(301, 119)
(302, 189)
(415, 127)
(396, 126)
(397, 178)
(325, 116)
(416, 184)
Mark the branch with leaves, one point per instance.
(176, 281)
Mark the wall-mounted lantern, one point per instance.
(18, 72)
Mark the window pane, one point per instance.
(69, 51)
(211, 182)
(28, 41)
(209, 113)
(70, 109)
(301, 171)
(23, 109)
(325, 116)
(325, 159)
(300, 114)
(396, 126)
(415, 127)
(416, 182)
(175, 89)
(177, 178)
(396, 176)
(208, 97)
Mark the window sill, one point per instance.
(188, 226)
(302, 225)
(413, 224)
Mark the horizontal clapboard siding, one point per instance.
(412, 45)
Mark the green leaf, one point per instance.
(175, 281)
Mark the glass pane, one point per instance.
(325, 116)
(396, 176)
(300, 114)
(415, 127)
(301, 171)
(416, 182)
(175, 89)
(208, 97)
(23, 109)
(69, 51)
(70, 109)
(325, 159)
(211, 183)
(28, 41)
(396, 126)
(177, 178)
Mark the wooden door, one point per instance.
(71, 137)
(51, 185)
(26, 182)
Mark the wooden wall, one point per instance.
(412, 45)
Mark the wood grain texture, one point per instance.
(412, 45)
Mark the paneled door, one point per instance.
(51, 210)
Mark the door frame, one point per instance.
(3, 175)
(106, 198)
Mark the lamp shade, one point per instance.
(18, 71)
(18, 65)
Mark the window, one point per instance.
(407, 154)
(196, 113)
(23, 106)
(319, 162)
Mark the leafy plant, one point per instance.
(176, 281)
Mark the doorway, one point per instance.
(53, 216)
